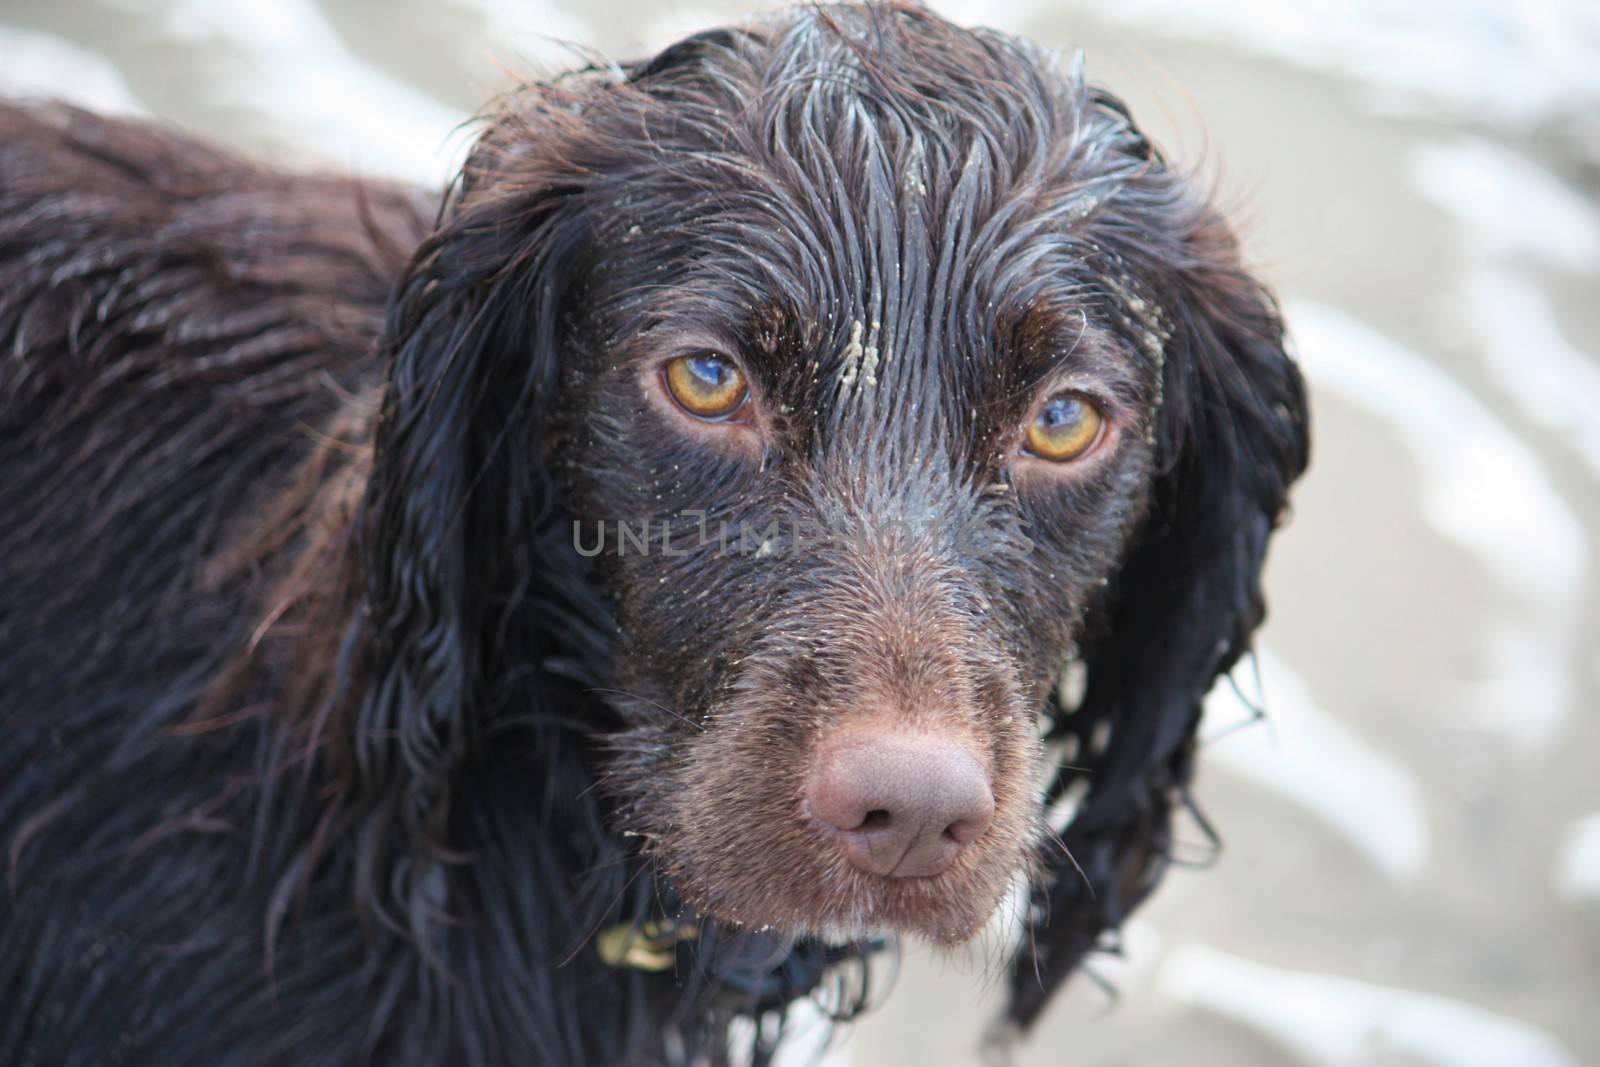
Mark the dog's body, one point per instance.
(324, 740)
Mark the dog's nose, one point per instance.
(904, 805)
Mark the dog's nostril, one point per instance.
(965, 831)
(902, 805)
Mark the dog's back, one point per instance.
(180, 332)
(176, 326)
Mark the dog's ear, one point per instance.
(455, 523)
(1231, 436)
(460, 514)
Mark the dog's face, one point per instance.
(850, 523)
(866, 513)
(862, 427)
(883, 369)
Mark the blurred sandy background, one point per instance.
(1411, 873)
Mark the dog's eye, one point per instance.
(1066, 427)
(706, 385)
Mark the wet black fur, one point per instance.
(310, 744)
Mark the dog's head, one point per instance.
(876, 370)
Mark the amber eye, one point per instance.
(706, 385)
(1065, 428)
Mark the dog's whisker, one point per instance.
(651, 703)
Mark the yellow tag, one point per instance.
(644, 948)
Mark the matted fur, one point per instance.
(321, 741)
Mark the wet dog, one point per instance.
(551, 624)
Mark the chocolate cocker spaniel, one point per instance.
(550, 625)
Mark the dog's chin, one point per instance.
(946, 922)
(946, 910)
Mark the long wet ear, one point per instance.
(470, 578)
(1231, 437)
(459, 496)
